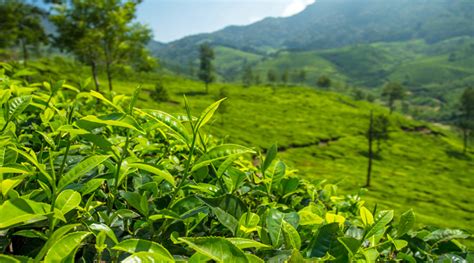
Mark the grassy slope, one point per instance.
(428, 71)
(423, 171)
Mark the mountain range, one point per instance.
(428, 45)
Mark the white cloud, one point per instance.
(295, 7)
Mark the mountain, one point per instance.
(427, 45)
(336, 23)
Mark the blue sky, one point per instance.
(174, 19)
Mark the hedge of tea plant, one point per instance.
(88, 177)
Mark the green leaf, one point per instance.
(139, 245)
(8, 259)
(217, 248)
(275, 221)
(323, 241)
(371, 255)
(11, 170)
(47, 139)
(31, 157)
(248, 222)
(366, 216)
(219, 153)
(228, 203)
(18, 105)
(31, 233)
(146, 257)
(58, 234)
(407, 221)
(98, 140)
(446, 234)
(22, 211)
(278, 174)
(309, 216)
(67, 200)
(65, 247)
(168, 121)
(292, 238)
(134, 199)
(399, 244)
(101, 228)
(121, 121)
(244, 243)
(379, 226)
(271, 155)
(105, 100)
(163, 174)
(226, 219)
(10, 183)
(91, 186)
(81, 169)
(207, 114)
(351, 244)
(198, 258)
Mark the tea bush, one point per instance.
(87, 177)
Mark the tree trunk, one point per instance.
(25, 52)
(370, 138)
(109, 75)
(94, 75)
(465, 137)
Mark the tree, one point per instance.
(393, 91)
(247, 76)
(378, 131)
(302, 76)
(358, 94)
(98, 31)
(160, 93)
(20, 24)
(381, 125)
(324, 82)
(271, 76)
(370, 138)
(284, 77)
(206, 55)
(466, 118)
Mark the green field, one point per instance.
(423, 170)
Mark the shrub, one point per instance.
(87, 178)
(160, 93)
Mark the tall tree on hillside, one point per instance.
(103, 31)
(381, 125)
(271, 77)
(247, 75)
(393, 91)
(377, 131)
(370, 153)
(206, 56)
(466, 120)
(302, 76)
(284, 77)
(20, 24)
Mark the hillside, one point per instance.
(322, 135)
(425, 45)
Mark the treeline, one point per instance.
(102, 34)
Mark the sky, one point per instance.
(173, 19)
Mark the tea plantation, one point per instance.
(90, 177)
